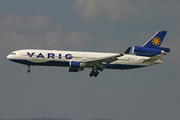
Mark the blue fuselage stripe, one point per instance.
(66, 64)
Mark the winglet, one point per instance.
(128, 50)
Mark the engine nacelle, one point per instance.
(75, 66)
(72, 70)
(144, 51)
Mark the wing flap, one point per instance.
(108, 59)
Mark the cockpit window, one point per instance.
(13, 53)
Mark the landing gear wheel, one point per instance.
(91, 74)
(96, 74)
(29, 67)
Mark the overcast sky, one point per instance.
(151, 93)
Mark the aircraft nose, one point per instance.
(8, 57)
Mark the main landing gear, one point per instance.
(95, 69)
(94, 73)
(29, 68)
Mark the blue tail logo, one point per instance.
(156, 41)
(152, 46)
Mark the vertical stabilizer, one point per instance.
(156, 40)
(152, 46)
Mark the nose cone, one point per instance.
(9, 57)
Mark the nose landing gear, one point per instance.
(29, 68)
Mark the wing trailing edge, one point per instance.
(108, 59)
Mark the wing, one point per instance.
(107, 60)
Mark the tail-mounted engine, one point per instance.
(75, 66)
(144, 51)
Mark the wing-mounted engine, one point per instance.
(144, 51)
(75, 66)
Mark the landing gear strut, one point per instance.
(95, 69)
(29, 68)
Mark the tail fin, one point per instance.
(156, 40)
(152, 46)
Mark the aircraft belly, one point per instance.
(46, 63)
(122, 66)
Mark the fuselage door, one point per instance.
(84, 57)
(132, 60)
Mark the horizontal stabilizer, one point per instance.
(152, 59)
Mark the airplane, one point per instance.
(142, 56)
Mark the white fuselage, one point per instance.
(148, 54)
(63, 58)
